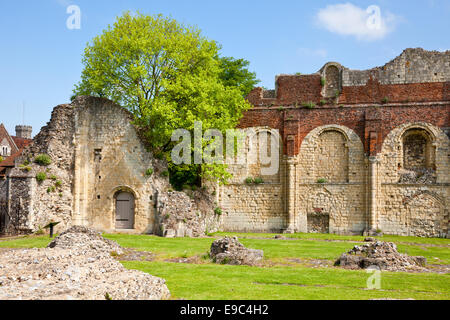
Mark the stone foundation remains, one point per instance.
(77, 265)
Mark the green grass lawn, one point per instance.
(280, 278)
(26, 242)
(220, 282)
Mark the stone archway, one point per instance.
(124, 204)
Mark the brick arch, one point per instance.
(350, 153)
(392, 152)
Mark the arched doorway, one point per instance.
(124, 210)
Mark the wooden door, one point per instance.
(124, 210)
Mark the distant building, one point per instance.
(11, 146)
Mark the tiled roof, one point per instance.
(21, 142)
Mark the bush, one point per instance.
(322, 81)
(43, 160)
(309, 105)
(51, 189)
(1, 159)
(249, 180)
(53, 177)
(385, 100)
(159, 155)
(323, 102)
(24, 167)
(322, 180)
(165, 173)
(258, 180)
(218, 211)
(58, 183)
(149, 172)
(41, 176)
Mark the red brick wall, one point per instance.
(291, 90)
(374, 92)
(360, 108)
(366, 121)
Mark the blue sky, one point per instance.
(40, 58)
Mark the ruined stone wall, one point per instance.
(416, 75)
(414, 210)
(51, 199)
(253, 208)
(3, 204)
(340, 203)
(355, 144)
(95, 153)
(417, 206)
(187, 214)
(3, 189)
(412, 66)
(342, 207)
(109, 158)
(331, 178)
(249, 206)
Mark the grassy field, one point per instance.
(288, 271)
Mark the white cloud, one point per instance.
(364, 24)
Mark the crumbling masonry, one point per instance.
(361, 151)
(101, 175)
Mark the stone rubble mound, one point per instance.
(381, 255)
(67, 270)
(83, 238)
(229, 250)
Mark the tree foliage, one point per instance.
(169, 76)
(235, 73)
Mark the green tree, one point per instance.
(235, 73)
(169, 76)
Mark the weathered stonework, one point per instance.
(376, 155)
(96, 155)
(369, 151)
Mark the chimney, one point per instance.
(23, 131)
